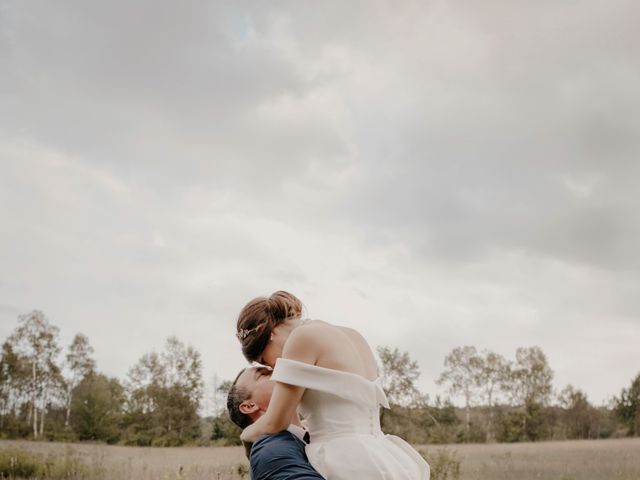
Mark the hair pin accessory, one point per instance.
(244, 333)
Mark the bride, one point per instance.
(327, 373)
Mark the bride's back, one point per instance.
(341, 409)
(343, 349)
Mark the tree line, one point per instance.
(504, 400)
(48, 393)
(45, 397)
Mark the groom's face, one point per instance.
(257, 380)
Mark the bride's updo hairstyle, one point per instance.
(260, 316)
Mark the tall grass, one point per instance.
(22, 464)
(569, 460)
(444, 463)
(22, 460)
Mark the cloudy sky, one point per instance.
(433, 173)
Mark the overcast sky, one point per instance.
(432, 173)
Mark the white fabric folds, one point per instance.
(342, 413)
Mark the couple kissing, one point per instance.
(328, 375)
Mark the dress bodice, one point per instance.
(335, 402)
(342, 412)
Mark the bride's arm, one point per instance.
(282, 407)
(285, 398)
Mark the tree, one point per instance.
(219, 397)
(214, 400)
(223, 430)
(14, 375)
(530, 387)
(399, 374)
(492, 373)
(578, 415)
(36, 341)
(183, 368)
(627, 406)
(462, 370)
(145, 378)
(79, 364)
(164, 393)
(97, 408)
(531, 377)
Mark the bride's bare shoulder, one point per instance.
(302, 343)
(322, 326)
(315, 323)
(310, 340)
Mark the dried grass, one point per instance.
(571, 460)
(617, 459)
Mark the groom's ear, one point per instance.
(248, 407)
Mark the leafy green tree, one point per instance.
(531, 377)
(183, 369)
(579, 416)
(96, 408)
(462, 370)
(79, 364)
(536, 421)
(530, 386)
(224, 431)
(627, 406)
(445, 421)
(224, 387)
(510, 425)
(492, 373)
(399, 375)
(35, 340)
(164, 393)
(216, 396)
(14, 377)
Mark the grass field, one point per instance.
(571, 460)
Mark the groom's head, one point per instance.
(249, 395)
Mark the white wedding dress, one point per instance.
(342, 413)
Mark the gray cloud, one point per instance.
(463, 170)
(513, 137)
(165, 96)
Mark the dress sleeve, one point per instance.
(341, 384)
(300, 374)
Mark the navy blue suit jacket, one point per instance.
(281, 457)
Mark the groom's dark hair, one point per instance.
(235, 397)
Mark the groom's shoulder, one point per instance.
(281, 456)
(267, 443)
(275, 448)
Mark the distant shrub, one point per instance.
(474, 434)
(138, 439)
(224, 432)
(169, 439)
(510, 426)
(444, 464)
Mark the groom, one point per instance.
(273, 457)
